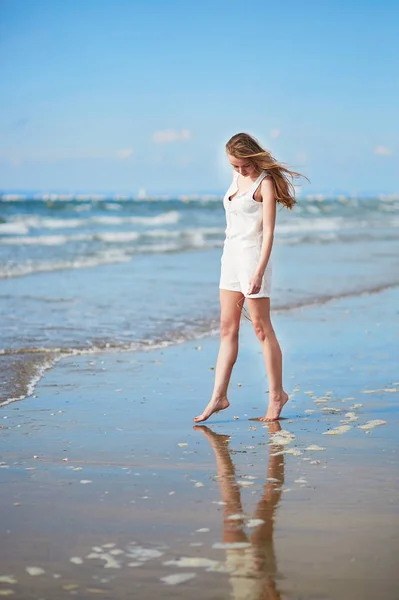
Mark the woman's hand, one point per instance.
(255, 284)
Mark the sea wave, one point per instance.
(314, 232)
(298, 225)
(21, 223)
(13, 228)
(20, 227)
(190, 237)
(168, 218)
(42, 266)
(43, 240)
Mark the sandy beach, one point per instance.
(109, 491)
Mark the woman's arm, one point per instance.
(269, 222)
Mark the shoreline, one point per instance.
(209, 330)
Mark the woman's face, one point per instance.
(243, 166)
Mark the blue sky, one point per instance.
(118, 95)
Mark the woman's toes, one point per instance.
(200, 418)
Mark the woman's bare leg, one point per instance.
(230, 314)
(259, 310)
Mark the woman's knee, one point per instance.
(263, 330)
(229, 329)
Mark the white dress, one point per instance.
(244, 236)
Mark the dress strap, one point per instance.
(259, 179)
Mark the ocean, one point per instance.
(92, 274)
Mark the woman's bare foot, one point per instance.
(213, 407)
(275, 407)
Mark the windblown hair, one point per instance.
(243, 145)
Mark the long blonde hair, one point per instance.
(243, 145)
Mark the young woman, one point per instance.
(259, 183)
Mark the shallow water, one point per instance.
(84, 276)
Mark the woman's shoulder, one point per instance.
(266, 176)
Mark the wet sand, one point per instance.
(109, 491)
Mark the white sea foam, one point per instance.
(36, 222)
(117, 236)
(338, 430)
(282, 438)
(231, 545)
(103, 257)
(177, 578)
(43, 240)
(189, 238)
(371, 424)
(43, 266)
(13, 197)
(34, 571)
(167, 218)
(192, 237)
(158, 248)
(307, 224)
(13, 228)
(191, 561)
(59, 223)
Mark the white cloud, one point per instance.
(167, 136)
(383, 151)
(185, 134)
(124, 153)
(275, 133)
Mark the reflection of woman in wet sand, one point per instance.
(253, 565)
